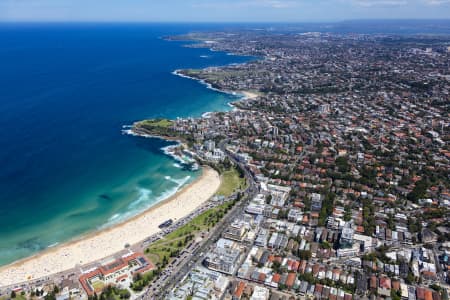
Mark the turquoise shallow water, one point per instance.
(65, 93)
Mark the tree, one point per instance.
(395, 295)
(304, 254)
(327, 208)
(368, 217)
(268, 198)
(410, 279)
(13, 294)
(276, 266)
(165, 260)
(419, 191)
(124, 294)
(342, 164)
(348, 213)
(325, 245)
(436, 287)
(391, 222)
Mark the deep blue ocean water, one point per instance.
(65, 93)
(66, 90)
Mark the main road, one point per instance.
(167, 281)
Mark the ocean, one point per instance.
(66, 90)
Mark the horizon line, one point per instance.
(218, 22)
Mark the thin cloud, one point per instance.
(437, 2)
(370, 3)
(247, 3)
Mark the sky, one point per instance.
(219, 10)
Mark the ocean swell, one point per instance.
(145, 200)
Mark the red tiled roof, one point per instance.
(396, 285)
(385, 282)
(118, 279)
(276, 278)
(83, 280)
(239, 290)
(420, 292)
(295, 265)
(111, 268)
(290, 280)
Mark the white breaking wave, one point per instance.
(132, 133)
(180, 182)
(144, 196)
(128, 132)
(209, 86)
(168, 150)
(202, 81)
(206, 114)
(140, 204)
(145, 200)
(114, 217)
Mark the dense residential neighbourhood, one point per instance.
(344, 144)
(347, 140)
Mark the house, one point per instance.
(278, 241)
(239, 291)
(260, 293)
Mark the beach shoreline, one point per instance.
(69, 255)
(101, 244)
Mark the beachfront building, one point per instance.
(200, 283)
(224, 257)
(118, 272)
(216, 155)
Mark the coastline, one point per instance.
(66, 256)
(244, 95)
(133, 131)
(104, 243)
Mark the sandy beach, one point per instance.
(104, 243)
(249, 95)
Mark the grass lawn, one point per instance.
(230, 182)
(160, 123)
(18, 297)
(98, 285)
(177, 240)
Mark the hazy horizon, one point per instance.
(221, 11)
